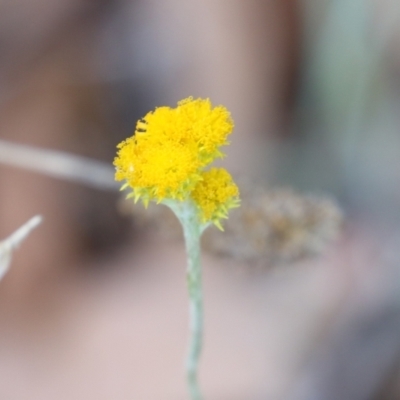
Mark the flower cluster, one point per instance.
(167, 157)
(215, 194)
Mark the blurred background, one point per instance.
(95, 305)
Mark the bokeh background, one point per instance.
(94, 306)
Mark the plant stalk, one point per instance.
(193, 276)
(192, 230)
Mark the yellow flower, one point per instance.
(214, 195)
(193, 123)
(165, 157)
(157, 172)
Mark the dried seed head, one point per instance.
(276, 226)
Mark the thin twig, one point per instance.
(13, 241)
(59, 164)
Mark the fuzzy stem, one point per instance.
(193, 276)
(192, 230)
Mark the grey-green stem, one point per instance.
(192, 230)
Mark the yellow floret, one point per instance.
(214, 195)
(192, 123)
(157, 172)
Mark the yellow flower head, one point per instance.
(193, 123)
(165, 158)
(215, 194)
